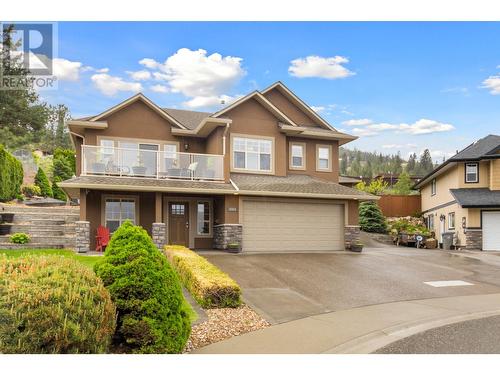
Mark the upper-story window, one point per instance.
(324, 158)
(297, 155)
(252, 154)
(471, 172)
(433, 187)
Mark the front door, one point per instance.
(178, 223)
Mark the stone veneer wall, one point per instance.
(351, 234)
(225, 234)
(474, 239)
(82, 236)
(159, 234)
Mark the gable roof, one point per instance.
(190, 119)
(299, 102)
(484, 148)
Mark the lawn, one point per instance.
(88, 260)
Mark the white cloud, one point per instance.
(102, 70)
(493, 84)
(159, 88)
(439, 154)
(456, 90)
(318, 109)
(140, 75)
(66, 70)
(195, 74)
(320, 67)
(210, 101)
(358, 122)
(110, 85)
(401, 146)
(422, 126)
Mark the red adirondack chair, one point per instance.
(102, 238)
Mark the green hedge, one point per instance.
(207, 284)
(51, 304)
(11, 175)
(152, 317)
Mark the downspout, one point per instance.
(224, 139)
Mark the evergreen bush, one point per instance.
(371, 218)
(43, 183)
(11, 175)
(57, 192)
(51, 304)
(147, 293)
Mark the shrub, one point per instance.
(64, 164)
(51, 304)
(151, 313)
(11, 175)
(410, 226)
(371, 218)
(57, 192)
(376, 187)
(43, 183)
(20, 238)
(207, 284)
(31, 190)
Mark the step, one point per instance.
(58, 222)
(43, 228)
(29, 217)
(51, 210)
(34, 230)
(13, 246)
(47, 240)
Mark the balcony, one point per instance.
(134, 162)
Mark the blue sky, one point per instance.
(399, 86)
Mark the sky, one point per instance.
(399, 86)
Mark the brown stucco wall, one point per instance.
(288, 108)
(352, 213)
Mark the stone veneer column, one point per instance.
(82, 236)
(224, 234)
(474, 239)
(159, 234)
(351, 234)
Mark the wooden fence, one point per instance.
(399, 205)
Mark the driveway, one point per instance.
(285, 287)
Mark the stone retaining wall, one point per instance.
(82, 234)
(351, 234)
(225, 234)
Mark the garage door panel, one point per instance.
(283, 226)
(491, 230)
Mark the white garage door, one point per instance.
(282, 226)
(491, 232)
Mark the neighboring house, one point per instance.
(349, 181)
(262, 172)
(392, 179)
(462, 195)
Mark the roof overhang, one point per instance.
(308, 195)
(80, 124)
(307, 132)
(204, 128)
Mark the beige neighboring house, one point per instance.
(263, 172)
(462, 196)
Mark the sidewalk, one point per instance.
(358, 330)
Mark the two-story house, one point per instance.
(262, 172)
(462, 195)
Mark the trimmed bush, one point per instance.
(148, 296)
(11, 175)
(57, 192)
(20, 238)
(51, 304)
(31, 190)
(371, 218)
(207, 284)
(43, 183)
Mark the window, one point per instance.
(178, 209)
(323, 158)
(451, 220)
(433, 187)
(471, 173)
(252, 154)
(203, 218)
(117, 210)
(297, 155)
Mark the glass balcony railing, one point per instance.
(126, 162)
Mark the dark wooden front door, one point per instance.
(178, 223)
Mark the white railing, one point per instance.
(127, 162)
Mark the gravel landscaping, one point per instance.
(223, 324)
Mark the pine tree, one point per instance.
(43, 183)
(371, 218)
(425, 164)
(404, 184)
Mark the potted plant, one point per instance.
(356, 246)
(139, 168)
(98, 166)
(234, 247)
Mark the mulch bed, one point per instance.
(223, 324)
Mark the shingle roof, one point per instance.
(478, 149)
(190, 119)
(298, 184)
(476, 198)
(349, 180)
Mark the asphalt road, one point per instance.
(478, 336)
(285, 287)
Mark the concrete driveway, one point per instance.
(285, 287)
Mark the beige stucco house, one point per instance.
(262, 172)
(462, 196)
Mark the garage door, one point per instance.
(282, 226)
(491, 234)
